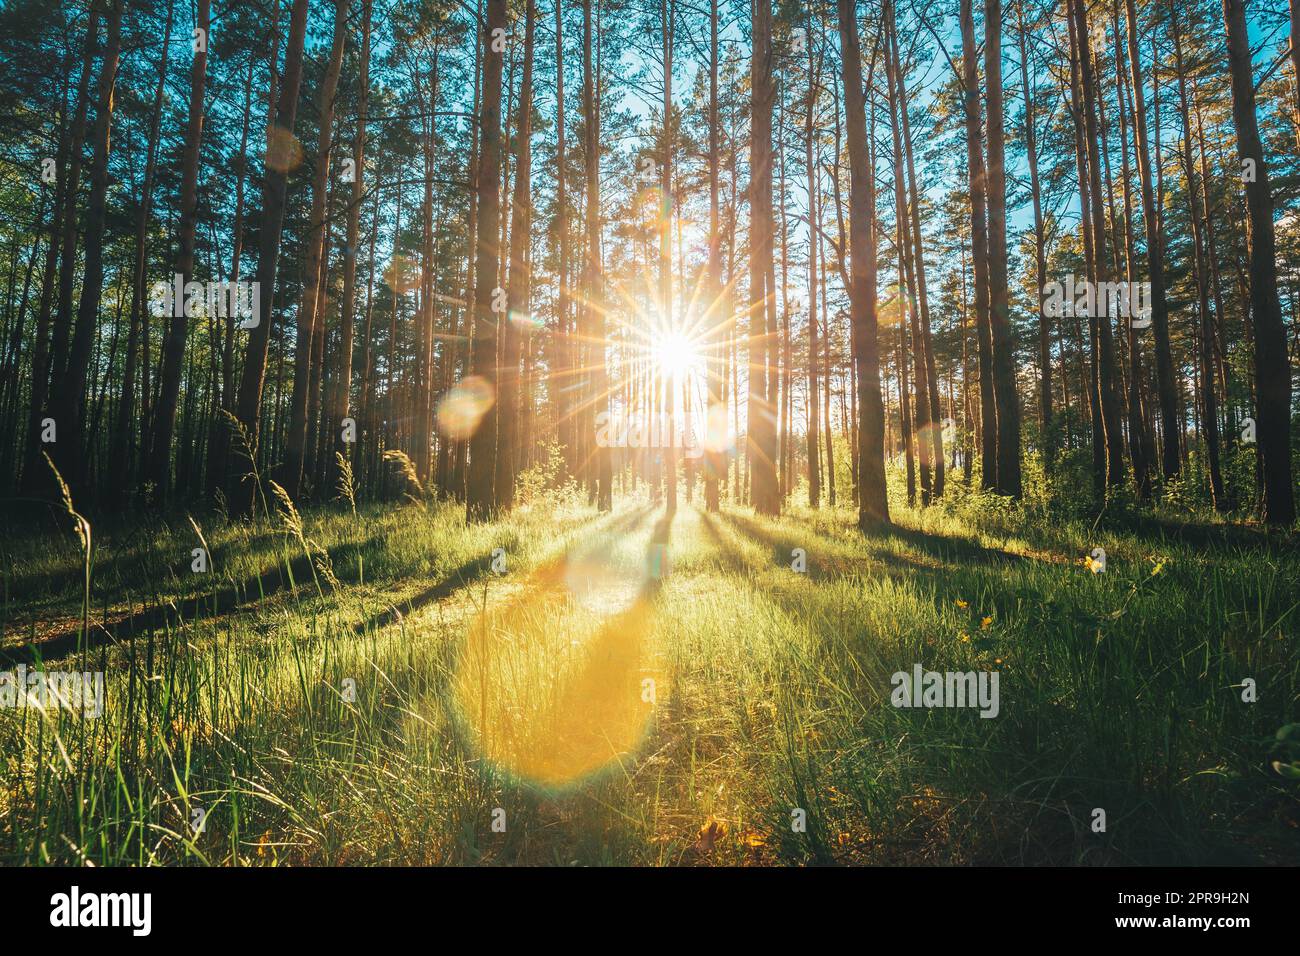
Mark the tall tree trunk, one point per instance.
(934, 438)
(594, 280)
(1105, 350)
(1295, 62)
(979, 249)
(121, 451)
(562, 364)
(278, 155)
(219, 432)
(480, 496)
(64, 318)
(1004, 348)
(1198, 216)
(1098, 434)
(518, 314)
(909, 302)
(906, 416)
(1272, 366)
(969, 420)
(873, 498)
(46, 361)
(1046, 426)
(460, 452)
(177, 327)
(422, 398)
(761, 419)
(71, 395)
(311, 471)
(1165, 387)
(369, 424)
(310, 318)
(665, 221)
(814, 219)
(347, 314)
(716, 315)
(781, 388)
(1140, 445)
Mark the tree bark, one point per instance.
(814, 219)
(1140, 445)
(121, 451)
(62, 248)
(909, 299)
(1003, 340)
(1201, 273)
(873, 499)
(310, 321)
(1105, 346)
(347, 314)
(178, 326)
(518, 314)
(760, 424)
(1165, 388)
(279, 151)
(219, 430)
(934, 438)
(562, 363)
(716, 314)
(979, 249)
(480, 496)
(69, 398)
(1272, 366)
(1295, 62)
(1046, 425)
(594, 285)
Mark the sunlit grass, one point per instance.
(392, 717)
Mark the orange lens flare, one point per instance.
(462, 408)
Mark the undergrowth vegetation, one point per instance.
(387, 684)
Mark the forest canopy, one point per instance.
(819, 244)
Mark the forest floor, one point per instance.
(565, 687)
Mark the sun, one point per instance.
(676, 355)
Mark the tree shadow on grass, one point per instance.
(131, 555)
(728, 556)
(945, 575)
(819, 567)
(1205, 536)
(947, 548)
(474, 569)
(283, 576)
(944, 549)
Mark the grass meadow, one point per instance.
(387, 685)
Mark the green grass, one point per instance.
(527, 691)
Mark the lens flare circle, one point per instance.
(462, 408)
